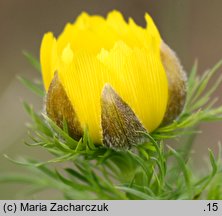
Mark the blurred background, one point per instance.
(192, 28)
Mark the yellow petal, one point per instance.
(139, 78)
(67, 55)
(116, 20)
(152, 30)
(83, 80)
(85, 21)
(65, 38)
(48, 58)
(89, 33)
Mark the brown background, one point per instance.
(192, 28)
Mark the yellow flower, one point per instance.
(113, 77)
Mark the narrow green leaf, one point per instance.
(69, 141)
(184, 169)
(72, 184)
(77, 175)
(136, 193)
(33, 61)
(34, 87)
(213, 162)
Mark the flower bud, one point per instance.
(115, 78)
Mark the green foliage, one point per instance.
(32, 60)
(154, 170)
